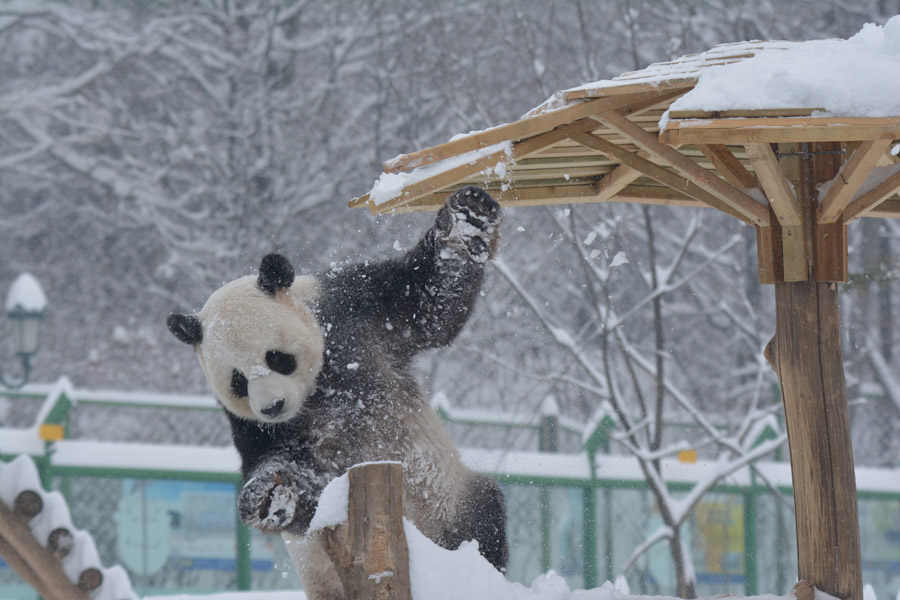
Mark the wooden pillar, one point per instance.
(810, 369)
(369, 551)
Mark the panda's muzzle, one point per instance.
(275, 409)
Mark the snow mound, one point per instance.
(21, 474)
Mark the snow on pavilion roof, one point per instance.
(695, 131)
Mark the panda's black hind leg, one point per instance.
(482, 517)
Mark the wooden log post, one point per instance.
(369, 551)
(38, 566)
(808, 359)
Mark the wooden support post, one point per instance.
(808, 360)
(369, 551)
(37, 566)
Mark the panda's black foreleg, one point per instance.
(431, 291)
(280, 495)
(481, 517)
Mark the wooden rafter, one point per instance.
(727, 164)
(658, 173)
(519, 150)
(743, 113)
(523, 128)
(725, 192)
(773, 182)
(850, 178)
(889, 209)
(872, 200)
(782, 129)
(684, 83)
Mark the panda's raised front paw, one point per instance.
(269, 501)
(470, 218)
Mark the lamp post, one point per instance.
(25, 306)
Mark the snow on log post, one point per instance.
(369, 551)
(807, 353)
(38, 566)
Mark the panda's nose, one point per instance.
(275, 409)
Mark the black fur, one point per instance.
(275, 273)
(375, 318)
(187, 328)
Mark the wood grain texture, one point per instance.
(727, 164)
(869, 202)
(369, 551)
(773, 182)
(25, 551)
(815, 403)
(850, 178)
(709, 182)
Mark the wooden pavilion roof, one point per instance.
(602, 142)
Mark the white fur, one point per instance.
(240, 324)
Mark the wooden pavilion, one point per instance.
(798, 175)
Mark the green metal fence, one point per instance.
(167, 513)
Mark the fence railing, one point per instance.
(580, 514)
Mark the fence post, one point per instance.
(369, 551)
(548, 441)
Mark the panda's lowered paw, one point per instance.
(272, 500)
(470, 220)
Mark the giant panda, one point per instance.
(314, 375)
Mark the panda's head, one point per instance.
(258, 342)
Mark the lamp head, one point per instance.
(26, 305)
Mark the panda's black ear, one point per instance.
(187, 328)
(275, 273)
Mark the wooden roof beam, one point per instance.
(738, 201)
(520, 129)
(447, 178)
(773, 182)
(658, 173)
(867, 204)
(887, 209)
(781, 129)
(850, 178)
(728, 165)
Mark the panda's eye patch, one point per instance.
(238, 384)
(280, 362)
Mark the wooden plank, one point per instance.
(811, 372)
(657, 173)
(726, 193)
(14, 530)
(869, 202)
(751, 113)
(794, 254)
(888, 209)
(831, 262)
(786, 129)
(682, 83)
(728, 165)
(451, 176)
(850, 178)
(522, 128)
(620, 178)
(768, 253)
(369, 551)
(773, 182)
